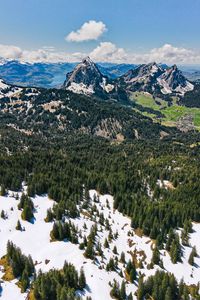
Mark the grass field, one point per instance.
(172, 113)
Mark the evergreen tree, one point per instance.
(82, 280)
(106, 245)
(89, 251)
(123, 291)
(156, 256)
(168, 294)
(18, 226)
(140, 291)
(24, 281)
(3, 215)
(122, 258)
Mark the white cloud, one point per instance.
(108, 52)
(170, 54)
(104, 52)
(90, 30)
(10, 52)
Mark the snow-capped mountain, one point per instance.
(156, 79)
(173, 81)
(87, 79)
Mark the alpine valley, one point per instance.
(99, 181)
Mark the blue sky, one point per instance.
(137, 26)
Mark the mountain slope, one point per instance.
(155, 79)
(87, 79)
(61, 111)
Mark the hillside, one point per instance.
(97, 185)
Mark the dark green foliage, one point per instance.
(64, 230)
(59, 165)
(49, 216)
(82, 280)
(89, 251)
(27, 205)
(175, 250)
(3, 214)
(193, 254)
(18, 226)
(156, 256)
(110, 265)
(122, 258)
(58, 285)
(25, 282)
(2, 190)
(131, 271)
(161, 286)
(21, 265)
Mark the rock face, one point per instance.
(173, 80)
(155, 79)
(87, 79)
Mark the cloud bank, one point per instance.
(104, 52)
(90, 30)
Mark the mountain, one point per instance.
(155, 79)
(87, 79)
(45, 75)
(173, 81)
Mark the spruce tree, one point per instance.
(82, 279)
(24, 281)
(18, 226)
(123, 291)
(156, 256)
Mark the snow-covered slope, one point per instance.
(35, 240)
(7, 90)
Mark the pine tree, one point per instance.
(193, 254)
(122, 258)
(49, 217)
(168, 294)
(54, 234)
(3, 215)
(106, 245)
(115, 292)
(82, 280)
(89, 251)
(24, 281)
(140, 291)
(115, 250)
(18, 226)
(123, 291)
(2, 190)
(156, 256)
(175, 251)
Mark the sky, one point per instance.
(131, 31)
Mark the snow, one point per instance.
(107, 87)
(154, 69)
(80, 88)
(3, 85)
(182, 90)
(11, 90)
(35, 240)
(166, 89)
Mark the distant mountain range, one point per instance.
(86, 78)
(50, 75)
